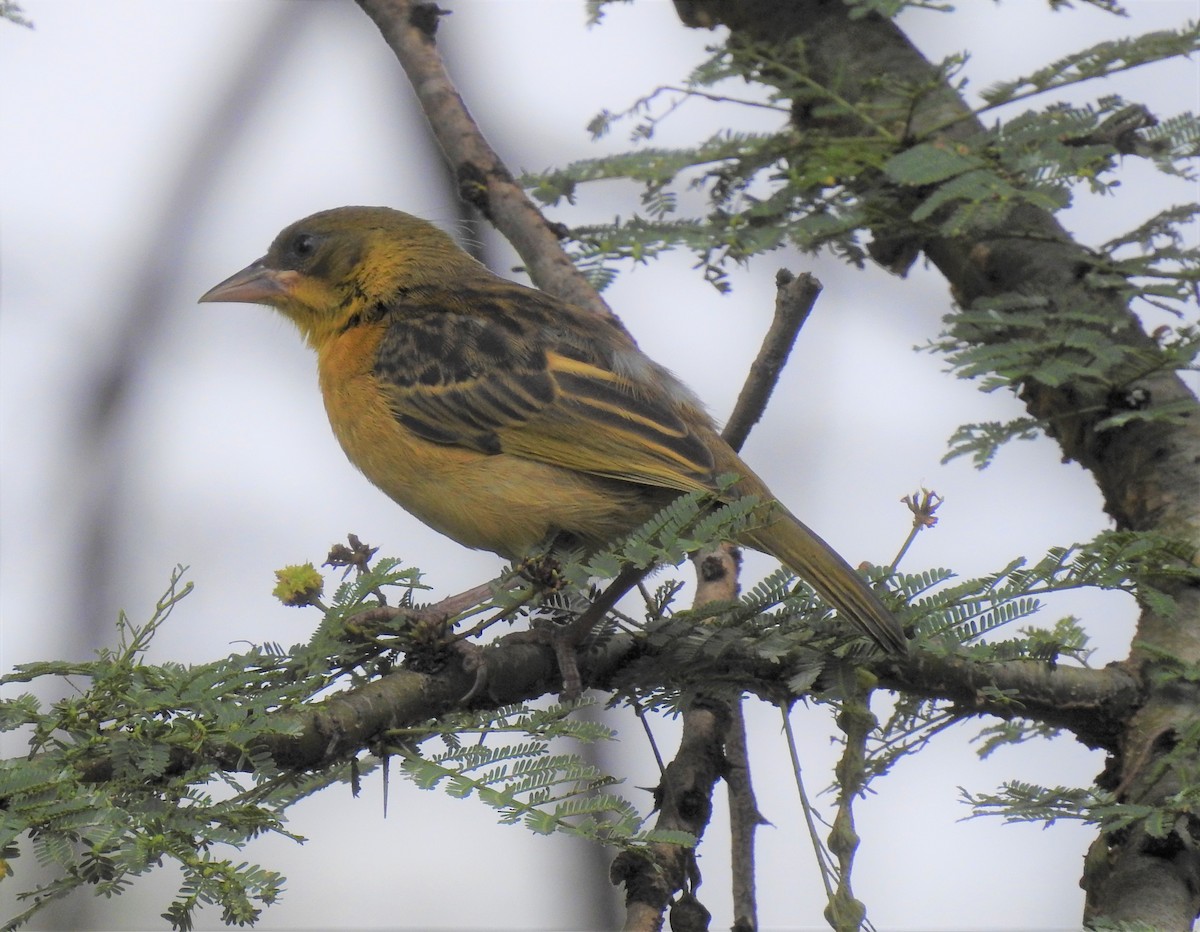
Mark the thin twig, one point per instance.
(824, 862)
(479, 627)
(643, 102)
(794, 300)
(641, 714)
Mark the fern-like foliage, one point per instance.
(1027, 802)
(142, 719)
(525, 782)
(964, 619)
(689, 523)
(1142, 564)
(118, 773)
(1102, 60)
(141, 764)
(1017, 801)
(115, 781)
(1157, 264)
(982, 441)
(835, 173)
(1014, 341)
(769, 188)
(1011, 340)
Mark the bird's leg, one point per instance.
(566, 639)
(575, 632)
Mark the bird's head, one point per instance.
(323, 270)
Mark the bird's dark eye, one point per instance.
(303, 245)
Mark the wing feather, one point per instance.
(460, 380)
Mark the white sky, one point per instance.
(231, 469)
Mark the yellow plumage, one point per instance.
(497, 414)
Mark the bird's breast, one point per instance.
(499, 502)
(414, 472)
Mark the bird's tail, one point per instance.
(791, 542)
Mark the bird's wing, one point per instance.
(472, 383)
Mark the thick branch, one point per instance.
(1095, 702)
(684, 800)
(1092, 704)
(1145, 469)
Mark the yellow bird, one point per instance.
(499, 415)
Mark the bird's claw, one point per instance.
(473, 661)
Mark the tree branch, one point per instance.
(1145, 468)
(409, 27)
(684, 800)
(795, 297)
(1091, 703)
(718, 573)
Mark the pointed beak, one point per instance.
(255, 284)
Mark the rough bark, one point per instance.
(516, 668)
(1147, 471)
